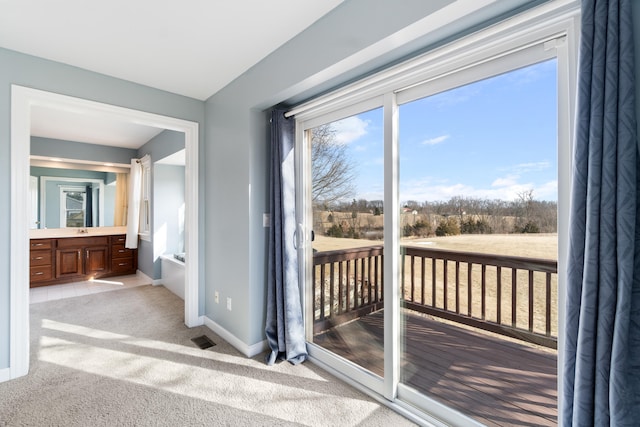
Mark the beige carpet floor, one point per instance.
(125, 358)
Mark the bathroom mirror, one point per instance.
(68, 195)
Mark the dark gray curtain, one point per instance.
(602, 358)
(88, 220)
(284, 324)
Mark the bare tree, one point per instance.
(332, 170)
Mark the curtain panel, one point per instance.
(284, 323)
(602, 350)
(134, 196)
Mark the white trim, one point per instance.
(535, 26)
(22, 99)
(238, 344)
(5, 374)
(392, 330)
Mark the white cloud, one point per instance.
(349, 129)
(428, 189)
(436, 140)
(506, 181)
(530, 167)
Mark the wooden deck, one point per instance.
(493, 380)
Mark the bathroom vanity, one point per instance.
(57, 257)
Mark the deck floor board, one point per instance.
(499, 382)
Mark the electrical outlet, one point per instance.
(266, 220)
(217, 297)
(229, 304)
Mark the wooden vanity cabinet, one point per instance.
(123, 260)
(82, 256)
(40, 260)
(79, 258)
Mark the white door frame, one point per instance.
(22, 99)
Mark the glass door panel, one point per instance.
(346, 198)
(478, 257)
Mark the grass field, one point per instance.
(524, 245)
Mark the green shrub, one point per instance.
(448, 227)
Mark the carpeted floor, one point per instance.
(125, 358)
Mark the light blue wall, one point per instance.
(237, 128)
(162, 145)
(168, 210)
(29, 71)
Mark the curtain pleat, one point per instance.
(120, 209)
(135, 196)
(284, 324)
(88, 220)
(602, 357)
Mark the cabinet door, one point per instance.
(68, 262)
(97, 260)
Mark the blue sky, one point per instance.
(490, 139)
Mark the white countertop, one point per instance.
(56, 233)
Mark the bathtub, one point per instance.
(172, 274)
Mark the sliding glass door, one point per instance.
(431, 209)
(478, 249)
(347, 216)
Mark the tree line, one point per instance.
(458, 215)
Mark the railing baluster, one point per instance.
(381, 277)
(483, 302)
(322, 267)
(413, 277)
(530, 300)
(445, 279)
(377, 279)
(341, 308)
(514, 291)
(422, 280)
(348, 290)
(499, 294)
(362, 282)
(402, 280)
(315, 288)
(356, 286)
(457, 287)
(369, 280)
(331, 289)
(433, 282)
(548, 306)
(469, 288)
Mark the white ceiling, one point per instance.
(192, 48)
(48, 122)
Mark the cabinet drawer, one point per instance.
(122, 265)
(41, 273)
(40, 258)
(119, 251)
(81, 242)
(40, 244)
(118, 240)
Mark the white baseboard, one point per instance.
(5, 374)
(156, 282)
(247, 350)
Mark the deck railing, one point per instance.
(512, 296)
